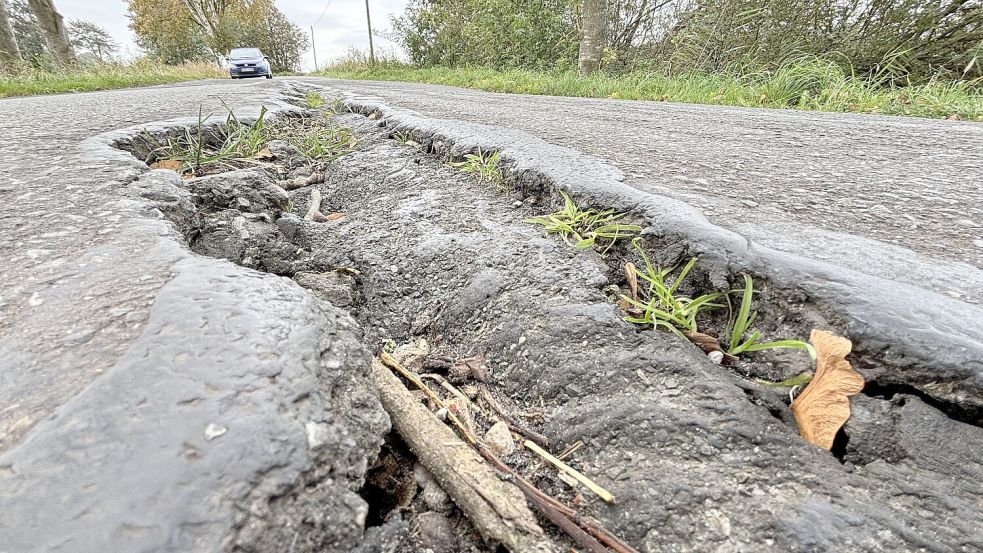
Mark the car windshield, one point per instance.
(241, 53)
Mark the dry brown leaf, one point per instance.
(172, 164)
(704, 341)
(823, 407)
(335, 216)
(265, 153)
(373, 116)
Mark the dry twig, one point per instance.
(591, 485)
(300, 182)
(314, 206)
(492, 504)
(585, 531)
(514, 425)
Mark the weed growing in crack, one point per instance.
(244, 140)
(585, 227)
(238, 141)
(322, 142)
(744, 339)
(405, 138)
(314, 100)
(483, 165)
(658, 302)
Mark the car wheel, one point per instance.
(269, 75)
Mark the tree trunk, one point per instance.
(55, 35)
(8, 44)
(593, 22)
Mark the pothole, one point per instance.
(416, 249)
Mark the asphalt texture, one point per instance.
(76, 293)
(152, 399)
(872, 193)
(93, 295)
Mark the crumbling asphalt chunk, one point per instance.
(245, 190)
(335, 287)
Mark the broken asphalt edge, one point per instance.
(208, 414)
(904, 326)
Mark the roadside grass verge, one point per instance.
(814, 85)
(29, 81)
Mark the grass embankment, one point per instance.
(29, 81)
(815, 85)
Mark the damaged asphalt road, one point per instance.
(155, 399)
(857, 190)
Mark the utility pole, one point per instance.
(368, 19)
(314, 47)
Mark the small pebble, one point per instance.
(499, 439)
(213, 431)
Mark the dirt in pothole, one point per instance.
(700, 457)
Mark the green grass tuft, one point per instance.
(659, 302)
(314, 100)
(483, 165)
(197, 149)
(585, 228)
(323, 142)
(743, 339)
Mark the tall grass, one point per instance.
(807, 84)
(25, 81)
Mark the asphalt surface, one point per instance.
(896, 198)
(831, 186)
(74, 297)
(860, 191)
(152, 399)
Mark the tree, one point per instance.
(164, 29)
(27, 32)
(175, 31)
(9, 52)
(88, 36)
(502, 34)
(280, 39)
(593, 23)
(53, 26)
(217, 21)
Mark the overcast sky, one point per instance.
(341, 27)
